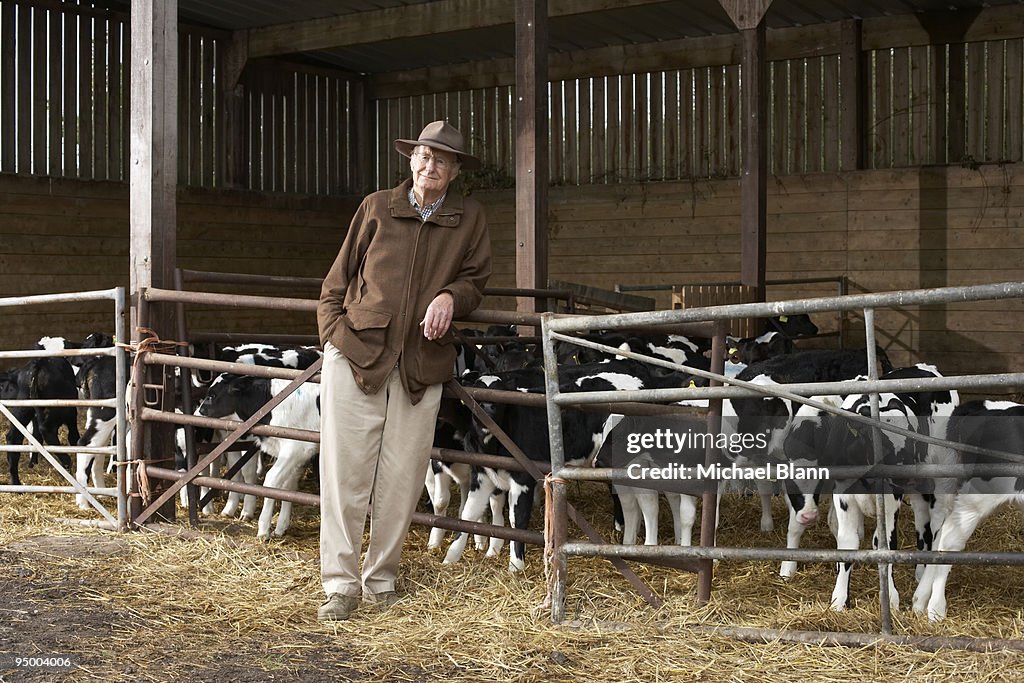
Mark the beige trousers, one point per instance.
(374, 454)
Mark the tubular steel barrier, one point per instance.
(186, 418)
(117, 450)
(555, 328)
(518, 462)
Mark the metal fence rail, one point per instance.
(117, 451)
(554, 328)
(186, 363)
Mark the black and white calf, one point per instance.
(97, 379)
(635, 503)
(527, 427)
(453, 423)
(994, 425)
(239, 397)
(756, 349)
(817, 438)
(773, 417)
(792, 326)
(272, 356)
(40, 378)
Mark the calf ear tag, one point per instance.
(692, 385)
(732, 351)
(783, 318)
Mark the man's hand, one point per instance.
(438, 316)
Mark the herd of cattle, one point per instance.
(811, 433)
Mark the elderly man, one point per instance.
(414, 257)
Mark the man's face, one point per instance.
(432, 171)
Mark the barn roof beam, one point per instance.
(746, 14)
(408, 21)
(785, 43)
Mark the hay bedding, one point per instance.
(220, 605)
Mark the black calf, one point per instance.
(41, 378)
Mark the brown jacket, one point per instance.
(389, 269)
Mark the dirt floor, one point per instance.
(52, 608)
(215, 604)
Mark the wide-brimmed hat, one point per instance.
(440, 135)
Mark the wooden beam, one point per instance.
(947, 115)
(363, 126)
(753, 183)
(790, 43)
(152, 186)
(154, 132)
(787, 43)
(531, 131)
(233, 61)
(852, 80)
(408, 21)
(746, 14)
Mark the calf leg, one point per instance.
(922, 505)
(629, 509)
(968, 511)
(648, 502)
(284, 518)
(276, 476)
(892, 510)
(438, 485)
(803, 511)
(520, 504)
(98, 434)
(250, 475)
(473, 511)
(684, 512)
(764, 492)
(12, 466)
(497, 502)
(848, 531)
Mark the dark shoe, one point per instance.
(337, 608)
(382, 600)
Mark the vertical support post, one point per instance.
(153, 184)
(709, 501)
(851, 83)
(882, 533)
(559, 522)
(135, 393)
(121, 425)
(185, 384)
(531, 129)
(363, 134)
(754, 184)
(232, 99)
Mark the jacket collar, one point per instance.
(448, 216)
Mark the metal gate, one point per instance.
(118, 519)
(560, 329)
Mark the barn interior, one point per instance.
(886, 155)
(635, 153)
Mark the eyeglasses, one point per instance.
(439, 163)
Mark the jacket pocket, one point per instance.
(366, 337)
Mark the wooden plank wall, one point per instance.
(884, 229)
(926, 104)
(63, 235)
